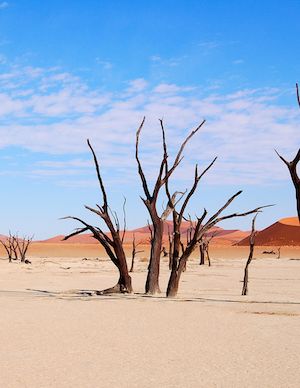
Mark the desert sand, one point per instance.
(55, 332)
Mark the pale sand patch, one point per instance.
(55, 332)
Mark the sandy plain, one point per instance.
(55, 332)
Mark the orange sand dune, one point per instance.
(283, 232)
(292, 221)
(227, 237)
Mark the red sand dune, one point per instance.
(283, 232)
(142, 234)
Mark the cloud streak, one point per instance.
(53, 112)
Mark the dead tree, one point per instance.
(292, 166)
(10, 246)
(152, 282)
(114, 245)
(252, 243)
(199, 232)
(177, 220)
(278, 257)
(134, 252)
(204, 247)
(8, 249)
(12, 241)
(23, 245)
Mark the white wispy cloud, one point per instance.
(4, 4)
(137, 85)
(106, 65)
(242, 128)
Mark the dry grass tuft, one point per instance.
(144, 259)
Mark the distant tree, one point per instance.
(292, 166)
(8, 247)
(134, 252)
(23, 245)
(252, 243)
(15, 246)
(113, 245)
(204, 249)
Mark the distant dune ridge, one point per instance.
(226, 237)
(283, 232)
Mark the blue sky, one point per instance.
(72, 70)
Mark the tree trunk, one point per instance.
(152, 282)
(245, 282)
(123, 285)
(202, 259)
(252, 243)
(173, 284)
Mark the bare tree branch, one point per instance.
(99, 178)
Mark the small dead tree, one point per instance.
(152, 282)
(12, 241)
(8, 249)
(10, 245)
(114, 245)
(292, 166)
(23, 245)
(278, 257)
(134, 252)
(252, 243)
(204, 249)
(16, 247)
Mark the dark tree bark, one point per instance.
(202, 255)
(292, 166)
(152, 282)
(298, 98)
(113, 245)
(252, 243)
